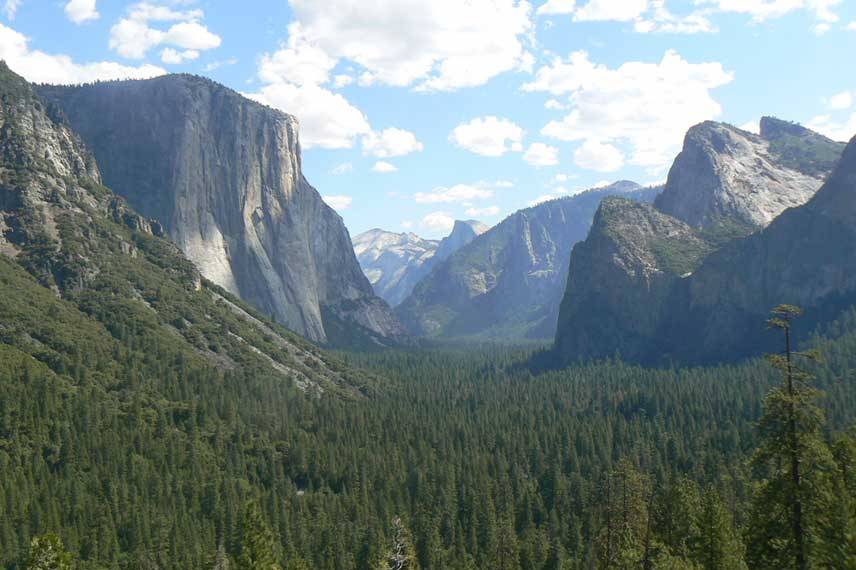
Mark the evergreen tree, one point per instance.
(791, 458)
(258, 546)
(401, 554)
(48, 553)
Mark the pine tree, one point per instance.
(792, 457)
(48, 553)
(401, 554)
(258, 546)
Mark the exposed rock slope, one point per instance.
(719, 279)
(65, 237)
(396, 262)
(728, 179)
(508, 283)
(223, 175)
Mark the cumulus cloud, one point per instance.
(595, 155)
(441, 45)
(840, 101)
(384, 167)
(763, 10)
(41, 67)
(646, 106)
(540, 154)
(553, 7)
(338, 203)
(80, 11)
(391, 142)
(837, 129)
(488, 136)
(616, 10)
(660, 20)
(456, 193)
(439, 222)
(327, 119)
(171, 56)
(132, 36)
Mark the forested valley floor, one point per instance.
(135, 457)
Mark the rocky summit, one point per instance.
(395, 262)
(727, 179)
(223, 175)
(739, 229)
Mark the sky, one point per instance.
(415, 113)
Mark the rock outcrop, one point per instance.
(223, 175)
(508, 282)
(692, 279)
(727, 179)
(108, 268)
(395, 262)
(621, 278)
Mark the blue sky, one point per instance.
(415, 113)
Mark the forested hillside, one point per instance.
(152, 464)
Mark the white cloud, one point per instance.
(10, 8)
(339, 203)
(840, 101)
(220, 63)
(555, 105)
(441, 44)
(839, 130)
(297, 61)
(384, 167)
(556, 7)
(457, 193)
(541, 199)
(327, 119)
(488, 136)
(852, 26)
(40, 67)
(406, 224)
(342, 80)
(762, 10)
(483, 212)
(343, 168)
(660, 20)
(648, 106)
(132, 37)
(438, 222)
(540, 154)
(80, 11)
(615, 10)
(753, 126)
(171, 56)
(391, 142)
(595, 155)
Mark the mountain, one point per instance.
(508, 282)
(395, 262)
(223, 175)
(79, 267)
(728, 179)
(687, 279)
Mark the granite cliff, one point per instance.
(508, 282)
(691, 278)
(395, 262)
(223, 175)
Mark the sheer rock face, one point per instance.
(621, 278)
(508, 282)
(726, 176)
(396, 262)
(706, 299)
(223, 174)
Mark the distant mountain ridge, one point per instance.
(395, 262)
(223, 175)
(689, 278)
(508, 282)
